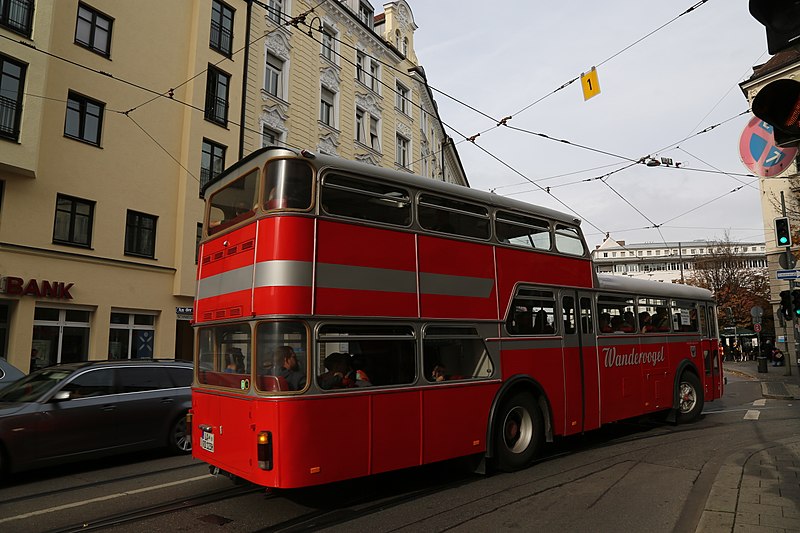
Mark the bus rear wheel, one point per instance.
(518, 432)
(690, 398)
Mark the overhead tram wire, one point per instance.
(732, 176)
(290, 21)
(504, 121)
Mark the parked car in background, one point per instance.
(77, 411)
(9, 373)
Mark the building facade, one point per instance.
(778, 191)
(111, 119)
(667, 261)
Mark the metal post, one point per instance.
(787, 256)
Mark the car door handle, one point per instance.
(108, 407)
(167, 400)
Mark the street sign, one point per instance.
(788, 274)
(590, 84)
(760, 154)
(785, 262)
(756, 311)
(757, 328)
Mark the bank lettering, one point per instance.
(14, 286)
(633, 358)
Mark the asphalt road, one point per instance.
(635, 475)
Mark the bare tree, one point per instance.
(736, 285)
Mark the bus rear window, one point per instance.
(365, 200)
(288, 185)
(234, 203)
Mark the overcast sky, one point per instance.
(500, 57)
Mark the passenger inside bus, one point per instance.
(290, 368)
(646, 322)
(340, 373)
(605, 323)
(541, 324)
(661, 319)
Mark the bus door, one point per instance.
(712, 373)
(580, 364)
(590, 363)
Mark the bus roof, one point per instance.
(322, 161)
(644, 287)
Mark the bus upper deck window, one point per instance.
(233, 203)
(288, 185)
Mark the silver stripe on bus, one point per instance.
(331, 276)
(239, 279)
(283, 273)
(449, 285)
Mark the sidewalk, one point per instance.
(758, 488)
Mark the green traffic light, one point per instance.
(784, 240)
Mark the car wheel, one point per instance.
(518, 432)
(180, 440)
(690, 398)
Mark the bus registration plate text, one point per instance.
(207, 441)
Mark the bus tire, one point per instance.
(519, 432)
(690, 398)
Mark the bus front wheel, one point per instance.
(690, 398)
(518, 432)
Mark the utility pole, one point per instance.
(788, 261)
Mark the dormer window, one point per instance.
(366, 14)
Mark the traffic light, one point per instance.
(796, 302)
(782, 20)
(783, 232)
(786, 304)
(778, 104)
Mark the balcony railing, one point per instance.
(9, 118)
(17, 16)
(221, 38)
(216, 109)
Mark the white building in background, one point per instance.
(666, 261)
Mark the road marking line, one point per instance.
(752, 414)
(103, 498)
(760, 403)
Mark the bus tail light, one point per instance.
(265, 450)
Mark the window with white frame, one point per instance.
(374, 133)
(403, 145)
(275, 11)
(269, 137)
(402, 101)
(273, 77)
(361, 135)
(131, 335)
(327, 107)
(329, 44)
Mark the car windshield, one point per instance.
(32, 386)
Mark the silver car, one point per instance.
(77, 411)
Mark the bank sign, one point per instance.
(14, 286)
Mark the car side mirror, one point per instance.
(62, 395)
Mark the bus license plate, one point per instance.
(207, 441)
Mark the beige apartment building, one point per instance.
(111, 119)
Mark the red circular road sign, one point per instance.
(759, 153)
(757, 328)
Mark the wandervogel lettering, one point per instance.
(612, 358)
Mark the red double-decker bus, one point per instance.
(352, 320)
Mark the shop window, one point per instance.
(59, 336)
(131, 336)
